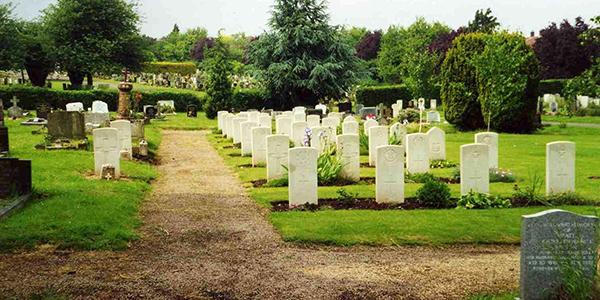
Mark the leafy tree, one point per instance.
(561, 52)
(303, 59)
(442, 44)
(460, 94)
(403, 56)
(238, 44)
(87, 36)
(508, 79)
(200, 48)
(38, 60)
(177, 47)
(218, 83)
(353, 35)
(175, 29)
(484, 22)
(370, 45)
(12, 46)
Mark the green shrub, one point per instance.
(508, 80)
(410, 114)
(500, 175)
(434, 194)
(552, 86)
(29, 97)
(186, 68)
(329, 168)
(441, 164)
(420, 177)
(481, 201)
(244, 99)
(568, 198)
(529, 195)
(459, 82)
(218, 84)
(363, 141)
(387, 94)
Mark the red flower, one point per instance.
(138, 96)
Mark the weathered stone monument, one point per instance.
(125, 88)
(137, 131)
(123, 135)
(378, 136)
(15, 177)
(277, 156)
(4, 146)
(75, 106)
(560, 167)
(15, 111)
(192, 111)
(303, 176)
(349, 152)
(437, 144)
(474, 172)
(433, 117)
(417, 153)
(551, 240)
(107, 150)
(66, 125)
(42, 110)
(390, 174)
(259, 145)
(246, 139)
(490, 139)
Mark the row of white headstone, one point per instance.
(111, 144)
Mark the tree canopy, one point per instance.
(303, 59)
(12, 48)
(484, 22)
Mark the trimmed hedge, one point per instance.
(170, 67)
(251, 99)
(552, 86)
(30, 96)
(388, 95)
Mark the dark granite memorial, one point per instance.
(192, 111)
(345, 107)
(15, 177)
(317, 112)
(3, 132)
(43, 110)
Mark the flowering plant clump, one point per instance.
(307, 137)
(370, 117)
(501, 175)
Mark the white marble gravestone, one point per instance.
(389, 178)
(246, 138)
(265, 121)
(253, 116)
(368, 124)
(106, 150)
(124, 135)
(378, 136)
(301, 109)
(350, 128)
(321, 138)
(166, 103)
(560, 167)
(288, 114)
(336, 115)
(474, 171)
(550, 233)
(348, 149)
(303, 176)
(399, 130)
(259, 145)
(417, 153)
(283, 125)
(299, 117)
(76, 106)
(396, 108)
(99, 107)
(433, 104)
(277, 156)
(220, 117)
(490, 139)
(237, 132)
(299, 133)
(229, 126)
(313, 120)
(350, 119)
(322, 107)
(433, 117)
(437, 144)
(332, 123)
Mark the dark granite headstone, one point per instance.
(551, 234)
(4, 147)
(345, 107)
(43, 110)
(359, 108)
(150, 112)
(15, 177)
(1, 114)
(192, 111)
(317, 112)
(66, 125)
(366, 111)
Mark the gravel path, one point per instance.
(204, 238)
(590, 125)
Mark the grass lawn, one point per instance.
(72, 210)
(589, 120)
(522, 154)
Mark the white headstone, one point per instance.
(437, 144)
(106, 150)
(220, 119)
(433, 104)
(289, 114)
(124, 135)
(584, 100)
(298, 109)
(229, 125)
(378, 136)
(321, 138)
(560, 167)
(399, 130)
(417, 153)
(549, 98)
(350, 128)
(336, 115)
(350, 119)
(349, 151)
(313, 120)
(400, 103)
(490, 139)
(389, 178)
(265, 121)
(322, 107)
(99, 107)
(396, 108)
(474, 171)
(253, 116)
(299, 133)
(259, 145)
(283, 125)
(277, 156)
(246, 132)
(332, 124)
(237, 132)
(433, 117)
(303, 176)
(77, 106)
(167, 103)
(368, 124)
(299, 117)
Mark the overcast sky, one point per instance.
(251, 16)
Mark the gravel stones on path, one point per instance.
(203, 237)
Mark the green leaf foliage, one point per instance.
(303, 59)
(218, 84)
(484, 22)
(170, 67)
(12, 48)
(508, 79)
(460, 95)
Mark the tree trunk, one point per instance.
(37, 76)
(90, 80)
(76, 78)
